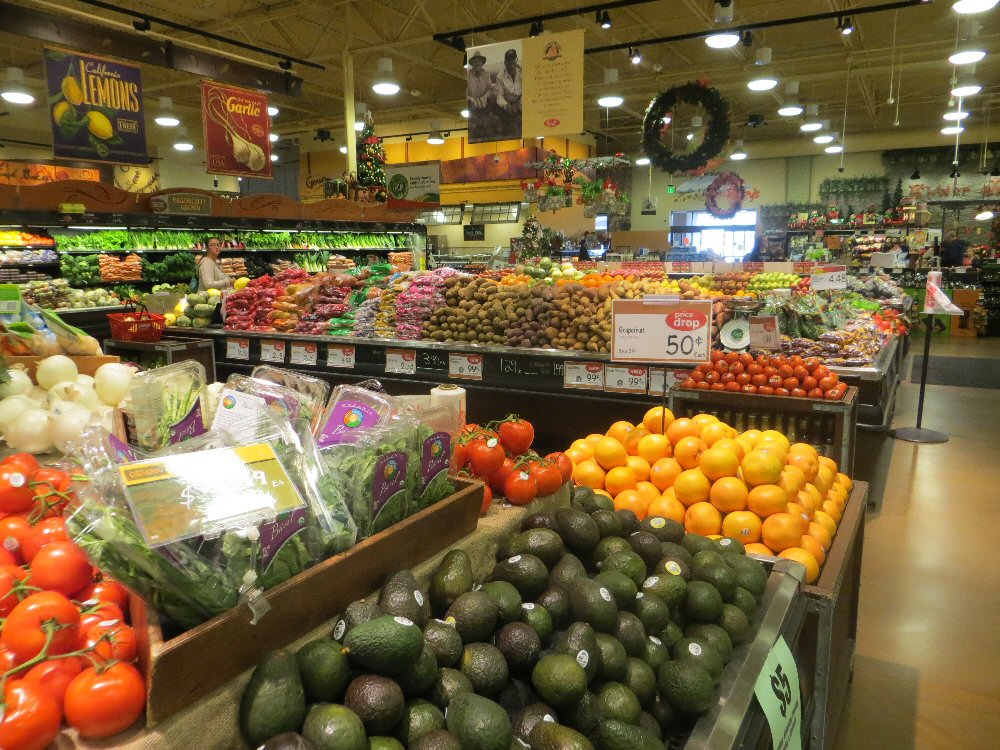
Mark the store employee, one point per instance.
(210, 273)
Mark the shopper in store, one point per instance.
(953, 251)
(210, 273)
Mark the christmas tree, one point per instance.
(371, 160)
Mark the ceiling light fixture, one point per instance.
(952, 130)
(984, 214)
(273, 137)
(956, 115)
(165, 116)
(724, 10)
(790, 106)
(610, 98)
(360, 112)
(14, 90)
(274, 157)
(739, 153)
(821, 139)
(272, 110)
(762, 84)
(968, 7)
(642, 161)
(812, 123)
(722, 40)
(965, 86)
(465, 113)
(434, 137)
(690, 136)
(834, 148)
(182, 143)
(604, 19)
(634, 56)
(385, 83)
(343, 149)
(845, 26)
(763, 56)
(967, 55)
(955, 174)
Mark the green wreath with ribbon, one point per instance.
(731, 185)
(716, 131)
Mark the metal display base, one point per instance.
(919, 435)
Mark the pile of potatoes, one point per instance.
(477, 310)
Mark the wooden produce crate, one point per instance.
(169, 350)
(86, 365)
(830, 426)
(183, 669)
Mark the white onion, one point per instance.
(66, 428)
(31, 432)
(55, 369)
(111, 382)
(12, 407)
(78, 394)
(85, 380)
(39, 395)
(18, 384)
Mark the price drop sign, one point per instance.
(828, 277)
(661, 330)
(777, 691)
(465, 366)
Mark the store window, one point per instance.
(495, 213)
(443, 215)
(730, 239)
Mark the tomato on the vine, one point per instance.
(500, 476)
(516, 435)
(487, 500)
(459, 455)
(24, 631)
(101, 613)
(12, 531)
(28, 463)
(10, 577)
(35, 537)
(48, 479)
(30, 718)
(61, 567)
(54, 676)
(51, 489)
(116, 641)
(564, 463)
(520, 488)
(548, 478)
(485, 456)
(108, 591)
(102, 703)
(7, 659)
(16, 493)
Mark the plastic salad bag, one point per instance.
(352, 410)
(313, 392)
(164, 406)
(432, 440)
(243, 397)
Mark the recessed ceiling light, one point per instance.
(272, 110)
(952, 130)
(722, 40)
(834, 148)
(642, 161)
(956, 115)
(343, 149)
(821, 139)
(762, 84)
(973, 6)
(967, 56)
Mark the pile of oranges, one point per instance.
(776, 497)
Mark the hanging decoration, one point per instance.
(371, 163)
(554, 189)
(729, 186)
(716, 126)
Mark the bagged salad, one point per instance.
(165, 406)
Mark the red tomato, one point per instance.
(48, 531)
(459, 456)
(759, 379)
(30, 719)
(790, 383)
(485, 456)
(100, 704)
(548, 478)
(688, 384)
(25, 628)
(718, 386)
(697, 376)
(746, 359)
(564, 464)
(7, 659)
(520, 488)
(800, 372)
(109, 642)
(516, 435)
(712, 377)
(810, 363)
(702, 386)
(61, 567)
(755, 369)
(828, 383)
(727, 378)
(795, 360)
(47, 481)
(733, 386)
(781, 392)
(108, 591)
(798, 392)
(55, 675)
(722, 366)
(487, 500)
(749, 389)
(737, 368)
(716, 355)
(771, 371)
(25, 460)
(744, 379)
(809, 383)
(500, 476)
(12, 531)
(815, 393)
(15, 491)
(820, 372)
(732, 357)
(785, 371)
(10, 577)
(763, 360)
(765, 390)
(101, 613)
(775, 381)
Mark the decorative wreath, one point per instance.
(730, 185)
(716, 131)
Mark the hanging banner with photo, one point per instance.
(237, 131)
(414, 186)
(96, 108)
(526, 88)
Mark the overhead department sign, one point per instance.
(237, 129)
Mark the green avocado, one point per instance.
(274, 700)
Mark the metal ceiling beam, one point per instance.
(145, 48)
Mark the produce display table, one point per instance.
(876, 385)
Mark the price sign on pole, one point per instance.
(465, 366)
(777, 691)
(340, 356)
(401, 361)
(237, 348)
(764, 332)
(272, 350)
(304, 353)
(625, 379)
(828, 277)
(661, 330)
(587, 376)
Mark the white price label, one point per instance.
(465, 366)
(237, 348)
(765, 332)
(340, 356)
(272, 350)
(304, 353)
(401, 361)
(658, 376)
(828, 277)
(585, 375)
(625, 379)
(661, 331)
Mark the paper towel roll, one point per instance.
(451, 396)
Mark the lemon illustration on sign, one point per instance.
(398, 186)
(99, 125)
(59, 111)
(72, 91)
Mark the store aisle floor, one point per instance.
(927, 670)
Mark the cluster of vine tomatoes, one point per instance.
(500, 454)
(766, 375)
(66, 650)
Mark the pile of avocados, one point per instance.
(594, 630)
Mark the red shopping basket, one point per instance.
(135, 325)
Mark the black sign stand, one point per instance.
(921, 434)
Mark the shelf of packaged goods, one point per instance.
(27, 265)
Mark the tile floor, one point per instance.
(927, 670)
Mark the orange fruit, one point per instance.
(799, 555)
(838, 493)
(589, 474)
(805, 500)
(667, 506)
(605, 493)
(777, 437)
(716, 463)
(648, 491)
(584, 446)
(610, 453)
(819, 532)
(664, 472)
(845, 480)
(824, 480)
(743, 525)
(772, 448)
(746, 444)
(732, 445)
(767, 499)
(633, 438)
(781, 531)
(813, 493)
(619, 479)
(653, 447)
(803, 448)
(756, 548)
(691, 487)
(832, 509)
(687, 451)
(826, 521)
(796, 510)
(812, 545)
(728, 494)
(716, 431)
(576, 456)
(640, 466)
(752, 435)
(620, 430)
(792, 480)
(830, 464)
(807, 462)
(703, 518)
(633, 501)
(700, 420)
(681, 428)
(759, 467)
(657, 420)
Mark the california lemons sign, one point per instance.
(95, 108)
